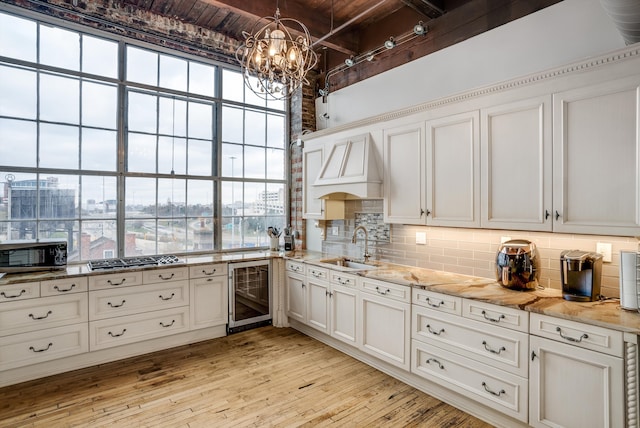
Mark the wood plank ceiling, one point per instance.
(353, 28)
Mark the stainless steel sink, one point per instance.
(348, 263)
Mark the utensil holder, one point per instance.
(274, 243)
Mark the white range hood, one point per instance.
(350, 171)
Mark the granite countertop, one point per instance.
(548, 301)
(82, 268)
(605, 313)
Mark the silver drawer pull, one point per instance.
(40, 318)
(493, 351)
(209, 273)
(435, 305)
(437, 333)
(488, 318)
(165, 278)
(572, 339)
(383, 292)
(31, 348)
(116, 306)
(117, 335)
(433, 360)
(3, 294)
(316, 274)
(116, 283)
(167, 298)
(167, 325)
(497, 394)
(343, 281)
(64, 290)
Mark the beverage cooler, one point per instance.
(249, 295)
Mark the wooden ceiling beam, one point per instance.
(317, 24)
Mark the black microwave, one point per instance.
(27, 256)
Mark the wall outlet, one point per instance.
(604, 248)
(421, 238)
(335, 230)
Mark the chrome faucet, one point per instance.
(366, 254)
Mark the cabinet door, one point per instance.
(404, 175)
(574, 387)
(516, 165)
(596, 158)
(344, 314)
(296, 297)
(311, 163)
(386, 325)
(209, 304)
(453, 170)
(317, 304)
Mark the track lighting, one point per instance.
(350, 61)
(390, 44)
(420, 29)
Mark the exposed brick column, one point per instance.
(302, 118)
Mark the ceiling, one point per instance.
(344, 28)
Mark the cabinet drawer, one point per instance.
(154, 276)
(514, 319)
(64, 286)
(292, 266)
(389, 290)
(132, 300)
(43, 345)
(25, 290)
(120, 279)
(317, 272)
(45, 312)
(437, 301)
(342, 278)
(575, 333)
(135, 328)
(502, 391)
(205, 271)
(498, 347)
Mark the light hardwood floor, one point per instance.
(261, 377)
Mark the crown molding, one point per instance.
(608, 59)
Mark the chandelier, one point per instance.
(274, 62)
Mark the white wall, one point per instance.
(568, 31)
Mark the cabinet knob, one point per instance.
(557, 215)
(546, 214)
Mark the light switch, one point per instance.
(604, 248)
(421, 238)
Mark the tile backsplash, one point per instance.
(471, 251)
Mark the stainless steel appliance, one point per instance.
(289, 240)
(580, 274)
(249, 295)
(131, 262)
(629, 270)
(29, 256)
(518, 265)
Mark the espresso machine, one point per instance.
(581, 274)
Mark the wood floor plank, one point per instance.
(257, 378)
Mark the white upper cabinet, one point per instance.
(596, 158)
(453, 170)
(404, 174)
(516, 165)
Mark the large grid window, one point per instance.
(124, 150)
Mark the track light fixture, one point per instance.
(390, 44)
(420, 29)
(351, 61)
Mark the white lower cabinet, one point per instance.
(493, 387)
(296, 291)
(570, 384)
(318, 297)
(43, 345)
(385, 316)
(208, 296)
(344, 313)
(135, 328)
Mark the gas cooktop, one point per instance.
(131, 262)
